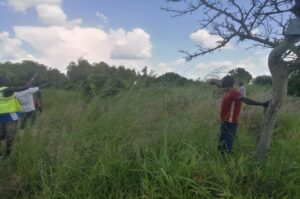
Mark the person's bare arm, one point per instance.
(10, 90)
(253, 102)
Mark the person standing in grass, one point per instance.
(38, 101)
(10, 113)
(28, 108)
(243, 90)
(230, 111)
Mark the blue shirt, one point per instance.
(9, 117)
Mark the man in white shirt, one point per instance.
(28, 109)
(243, 90)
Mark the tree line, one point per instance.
(101, 78)
(93, 79)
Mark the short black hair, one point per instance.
(227, 82)
(241, 83)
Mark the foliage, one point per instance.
(240, 75)
(100, 77)
(92, 79)
(17, 74)
(263, 80)
(294, 84)
(172, 79)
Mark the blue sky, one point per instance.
(134, 33)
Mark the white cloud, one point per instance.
(131, 45)
(11, 48)
(54, 15)
(57, 46)
(262, 68)
(102, 17)
(255, 65)
(207, 40)
(179, 61)
(23, 5)
(255, 31)
(215, 64)
(49, 11)
(165, 67)
(162, 68)
(246, 63)
(51, 14)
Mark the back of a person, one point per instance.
(243, 90)
(231, 106)
(9, 116)
(26, 99)
(230, 111)
(9, 105)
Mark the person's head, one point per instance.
(241, 83)
(227, 82)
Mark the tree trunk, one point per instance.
(280, 73)
(280, 79)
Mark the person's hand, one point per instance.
(266, 104)
(31, 81)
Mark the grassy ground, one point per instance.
(152, 143)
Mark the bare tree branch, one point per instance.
(237, 21)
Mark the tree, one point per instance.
(17, 74)
(263, 80)
(78, 72)
(172, 78)
(237, 21)
(240, 75)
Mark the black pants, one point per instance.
(8, 131)
(28, 116)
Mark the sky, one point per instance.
(133, 33)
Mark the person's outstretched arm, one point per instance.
(253, 102)
(11, 90)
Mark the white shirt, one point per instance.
(26, 99)
(243, 91)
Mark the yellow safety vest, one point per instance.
(8, 104)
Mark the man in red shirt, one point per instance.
(230, 112)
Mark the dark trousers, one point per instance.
(228, 131)
(8, 131)
(27, 116)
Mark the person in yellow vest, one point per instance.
(9, 113)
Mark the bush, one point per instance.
(172, 79)
(263, 80)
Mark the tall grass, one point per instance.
(158, 142)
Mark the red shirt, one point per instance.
(231, 106)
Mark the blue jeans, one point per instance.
(228, 131)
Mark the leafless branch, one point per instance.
(234, 20)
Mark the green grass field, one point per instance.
(158, 142)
